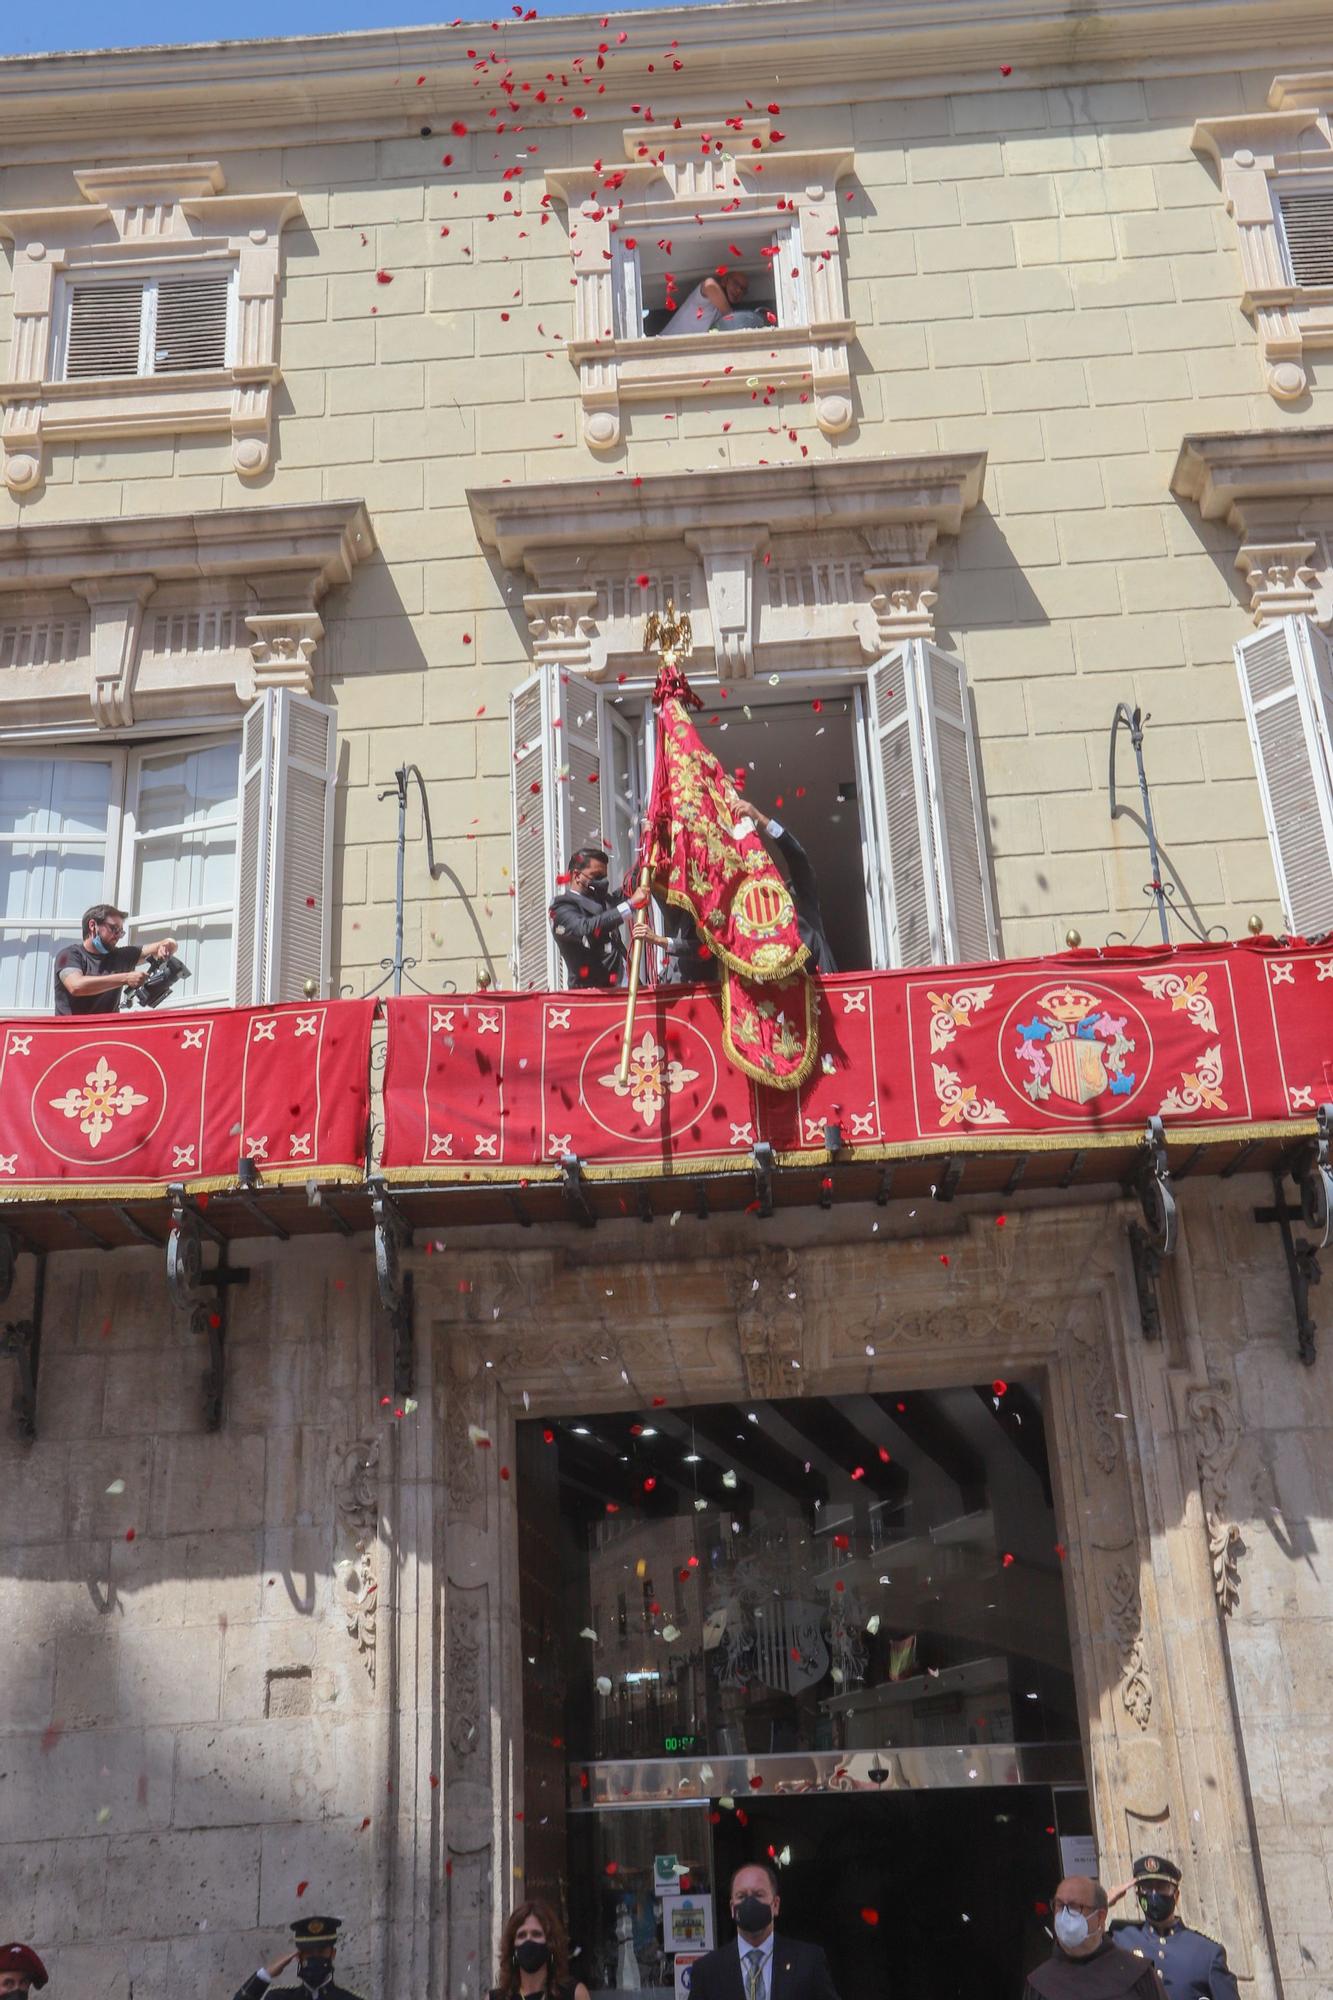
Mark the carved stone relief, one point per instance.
(356, 1561)
(770, 1322)
(1216, 1437)
(1122, 1593)
(463, 1664)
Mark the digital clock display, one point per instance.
(681, 1746)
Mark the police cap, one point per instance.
(1155, 1868)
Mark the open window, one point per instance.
(689, 205)
(576, 764)
(1286, 684)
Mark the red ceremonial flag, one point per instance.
(706, 858)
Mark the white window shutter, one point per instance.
(929, 845)
(1286, 684)
(103, 330)
(953, 768)
(254, 828)
(190, 324)
(1307, 227)
(285, 865)
(532, 763)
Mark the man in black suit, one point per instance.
(760, 1965)
(804, 889)
(589, 928)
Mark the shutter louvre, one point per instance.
(284, 866)
(190, 332)
(1307, 225)
(103, 330)
(1286, 681)
(934, 875)
(535, 868)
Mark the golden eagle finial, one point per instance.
(668, 632)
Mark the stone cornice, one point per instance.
(1236, 476)
(1274, 490)
(929, 493)
(367, 82)
(298, 551)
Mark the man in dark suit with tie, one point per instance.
(759, 1965)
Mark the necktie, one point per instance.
(754, 1976)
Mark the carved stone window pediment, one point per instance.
(1264, 158)
(135, 621)
(152, 222)
(1274, 490)
(778, 566)
(684, 193)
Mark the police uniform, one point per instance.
(21, 1958)
(1192, 1966)
(310, 1930)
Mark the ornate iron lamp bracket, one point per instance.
(393, 1235)
(1151, 1183)
(202, 1292)
(1312, 1170)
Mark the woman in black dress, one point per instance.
(534, 1957)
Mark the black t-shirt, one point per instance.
(77, 958)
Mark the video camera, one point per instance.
(162, 975)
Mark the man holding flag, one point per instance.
(703, 855)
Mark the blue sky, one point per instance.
(81, 24)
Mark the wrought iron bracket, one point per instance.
(1150, 1183)
(393, 1235)
(576, 1191)
(191, 1284)
(1312, 1170)
(761, 1159)
(21, 1339)
(946, 1187)
(9, 1251)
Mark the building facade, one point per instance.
(342, 435)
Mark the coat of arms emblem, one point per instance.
(1075, 1047)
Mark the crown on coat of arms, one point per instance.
(1068, 1003)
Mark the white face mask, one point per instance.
(1071, 1928)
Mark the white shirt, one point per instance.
(696, 315)
(766, 1971)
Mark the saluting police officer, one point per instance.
(316, 1945)
(1192, 1966)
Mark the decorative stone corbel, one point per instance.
(1280, 578)
(727, 556)
(284, 650)
(116, 603)
(564, 631)
(902, 605)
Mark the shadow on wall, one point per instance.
(193, 1691)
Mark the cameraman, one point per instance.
(90, 977)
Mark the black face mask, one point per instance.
(752, 1913)
(1158, 1905)
(531, 1955)
(314, 1971)
(598, 890)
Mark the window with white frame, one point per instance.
(221, 841)
(657, 277)
(1286, 684)
(878, 776)
(177, 323)
(150, 829)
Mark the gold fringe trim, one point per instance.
(750, 1069)
(29, 1191)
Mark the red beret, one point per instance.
(22, 1958)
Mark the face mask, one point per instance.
(531, 1955)
(599, 890)
(1071, 1928)
(95, 944)
(752, 1913)
(1158, 1905)
(314, 1971)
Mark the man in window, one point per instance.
(714, 302)
(90, 977)
(795, 864)
(588, 926)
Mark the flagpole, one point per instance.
(670, 634)
(635, 967)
